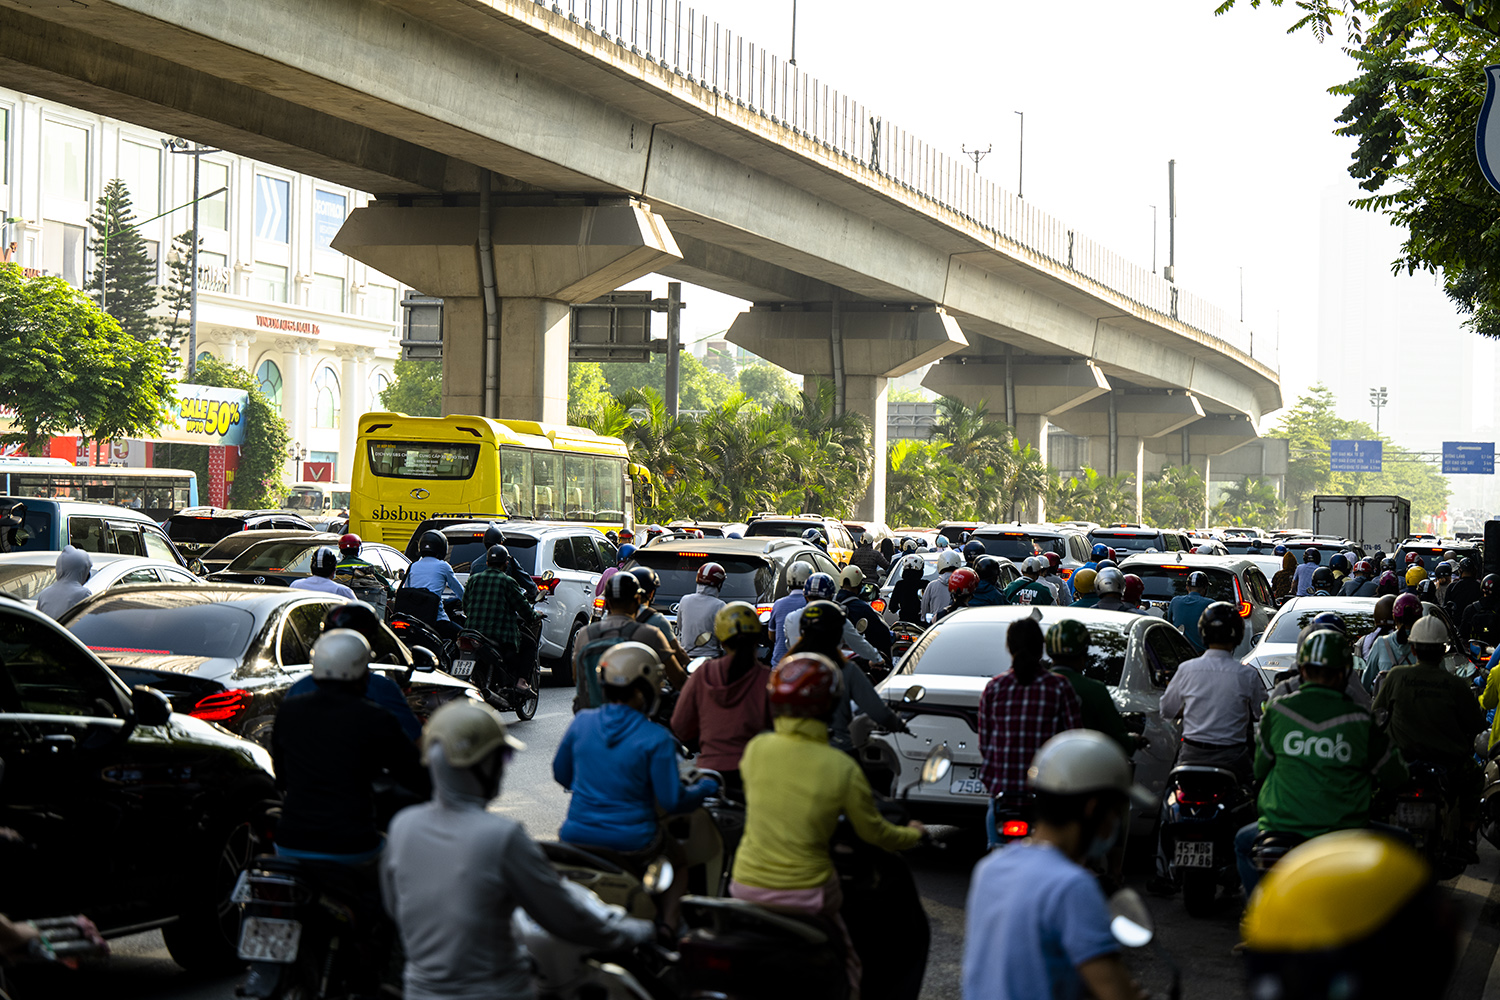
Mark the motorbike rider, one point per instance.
(1109, 584)
(367, 580)
(1083, 588)
(963, 583)
(876, 633)
(454, 873)
(1463, 591)
(696, 611)
(822, 628)
(1302, 576)
(431, 572)
(1290, 681)
(1052, 577)
(626, 551)
(1323, 583)
(1019, 710)
(906, 595)
(1338, 565)
(869, 560)
(1414, 576)
(378, 687)
(1394, 648)
(650, 582)
(1388, 583)
(324, 562)
(621, 768)
(1284, 583)
(1481, 619)
(820, 587)
(494, 535)
(797, 786)
(329, 748)
(1068, 649)
(1185, 609)
(1027, 588)
(496, 607)
(935, 598)
(1432, 716)
(1036, 921)
(1442, 578)
(815, 536)
(797, 575)
(1353, 914)
(1303, 791)
(1135, 589)
(988, 593)
(1361, 582)
(1097, 554)
(622, 600)
(73, 569)
(725, 702)
(1218, 697)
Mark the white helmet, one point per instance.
(852, 578)
(632, 663)
(949, 559)
(797, 574)
(340, 654)
(1034, 564)
(1429, 630)
(1080, 761)
(468, 732)
(1109, 581)
(908, 545)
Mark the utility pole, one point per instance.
(977, 154)
(792, 61)
(1021, 160)
(1153, 239)
(1171, 270)
(1378, 399)
(1242, 293)
(674, 344)
(197, 152)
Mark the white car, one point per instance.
(1276, 649)
(23, 575)
(1134, 655)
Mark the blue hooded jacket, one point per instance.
(987, 595)
(626, 765)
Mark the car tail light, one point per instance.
(879, 606)
(545, 586)
(1065, 573)
(692, 555)
(1239, 595)
(1015, 828)
(221, 706)
(763, 612)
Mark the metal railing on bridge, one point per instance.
(674, 36)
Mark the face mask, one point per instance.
(1100, 846)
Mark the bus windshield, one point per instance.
(422, 459)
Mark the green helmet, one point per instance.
(1069, 638)
(1325, 649)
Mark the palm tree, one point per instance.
(1092, 497)
(1251, 502)
(1175, 499)
(919, 476)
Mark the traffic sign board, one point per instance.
(1354, 456)
(1477, 457)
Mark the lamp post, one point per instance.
(793, 60)
(977, 154)
(1021, 160)
(1153, 239)
(297, 452)
(197, 152)
(1378, 399)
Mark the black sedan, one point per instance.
(227, 654)
(121, 810)
(280, 562)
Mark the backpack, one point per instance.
(590, 692)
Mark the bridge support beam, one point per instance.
(878, 342)
(545, 258)
(1040, 387)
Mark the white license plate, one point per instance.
(1416, 815)
(1194, 854)
(268, 939)
(461, 668)
(969, 784)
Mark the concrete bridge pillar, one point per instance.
(544, 259)
(878, 342)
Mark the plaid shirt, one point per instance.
(1015, 719)
(495, 605)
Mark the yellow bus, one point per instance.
(408, 469)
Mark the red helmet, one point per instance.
(1113, 557)
(712, 574)
(806, 684)
(626, 535)
(1407, 611)
(1134, 588)
(962, 582)
(1364, 567)
(350, 544)
(1411, 557)
(1053, 560)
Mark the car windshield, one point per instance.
(276, 557)
(1128, 542)
(1166, 582)
(746, 577)
(465, 550)
(24, 582)
(198, 530)
(143, 623)
(1359, 617)
(781, 529)
(1017, 545)
(975, 647)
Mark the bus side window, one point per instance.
(609, 480)
(547, 475)
(515, 482)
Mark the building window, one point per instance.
(379, 383)
(380, 302)
(270, 381)
(213, 213)
(328, 293)
(140, 169)
(273, 199)
(65, 160)
(62, 251)
(204, 356)
(325, 398)
(268, 282)
(329, 210)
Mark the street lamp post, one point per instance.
(793, 60)
(977, 154)
(297, 452)
(1021, 160)
(1378, 399)
(197, 152)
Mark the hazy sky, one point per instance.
(1111, 91)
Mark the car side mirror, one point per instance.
(914, 694)
(1256, 638)
(150, 706)
(548, 576)
(937, 765)
(423, 660)
(196, 567)
(1130, 922)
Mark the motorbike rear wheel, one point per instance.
(526, 704)
(1198, 890)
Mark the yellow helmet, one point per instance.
(736, 618)
(1341, 910)
(1083, 581)
(1415, 575)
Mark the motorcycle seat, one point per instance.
(591, 857)
(1271, 846)
(727, 913)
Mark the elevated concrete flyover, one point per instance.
(749, 176)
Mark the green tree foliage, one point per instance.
(1175, 499)
(1313, 422)
(260, 480)
(588, 392)
(1250, 503)
(767, 385)
(697, 387)
(1092, 496)
(417, 390)
(124, 277)
(919, 477)
(1412, 110)
(66, 365)
(177, 296)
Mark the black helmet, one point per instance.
(433, 543)
(822, 622)
(498, 557)
(1388, 564)
(1330, 619)
(358, 615)
(493, 536)
(1489, 586)
(324, 561)
(1322, 578)
(1221, 625)
(1311, 555)
(1105, 564)
(1198, 580)
(972, 551)
(1467, 566)
(648, 578)
(988, 568)
(1426, 590)
(622, 586)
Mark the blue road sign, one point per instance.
(1354, 456)
(1477, 457)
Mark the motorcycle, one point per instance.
(1205, 808)
(313, 930)
(1489, 799)
(476, 658)
(568, 971)
(904, 635)
(415, 632)
(1427, 808)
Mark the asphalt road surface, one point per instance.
(140, 967)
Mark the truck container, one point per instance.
(1372, 522)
